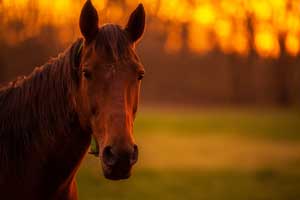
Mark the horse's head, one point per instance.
(109, 87)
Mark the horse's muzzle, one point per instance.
(117, 164)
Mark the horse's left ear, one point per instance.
(136, 24)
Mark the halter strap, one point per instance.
(76, 58)
(79, 49)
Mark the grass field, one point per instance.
(207, 154)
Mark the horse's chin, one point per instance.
(116, 173)
(116, 177)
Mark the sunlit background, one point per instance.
(202, 24)
(219, 117)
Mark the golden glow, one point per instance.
(266, 42)
(209, 23)
(205, 14)
(199, 40)
(174, 41)
(100, 5)
(241, 43)
(223, 28)
(114, 13)
(292, 44)
(174, 10)
(261, 9)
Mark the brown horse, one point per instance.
(47, 119)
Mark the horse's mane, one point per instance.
(33, 108)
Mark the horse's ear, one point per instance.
(88, 21)
(136, 24)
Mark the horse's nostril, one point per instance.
(135, 155)
(123, 158)
(109, 158)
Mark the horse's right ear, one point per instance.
(88, 21)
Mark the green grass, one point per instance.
(278, 124)
(193, 185)
(207, 155)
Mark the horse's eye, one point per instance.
(87, 73)
(141, 75)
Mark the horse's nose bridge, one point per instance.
(121, 121)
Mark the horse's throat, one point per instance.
(66, 157)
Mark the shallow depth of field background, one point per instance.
(219, 115)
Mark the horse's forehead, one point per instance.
(113, 43)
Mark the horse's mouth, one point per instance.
(116, 174)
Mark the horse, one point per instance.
(47, 119)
